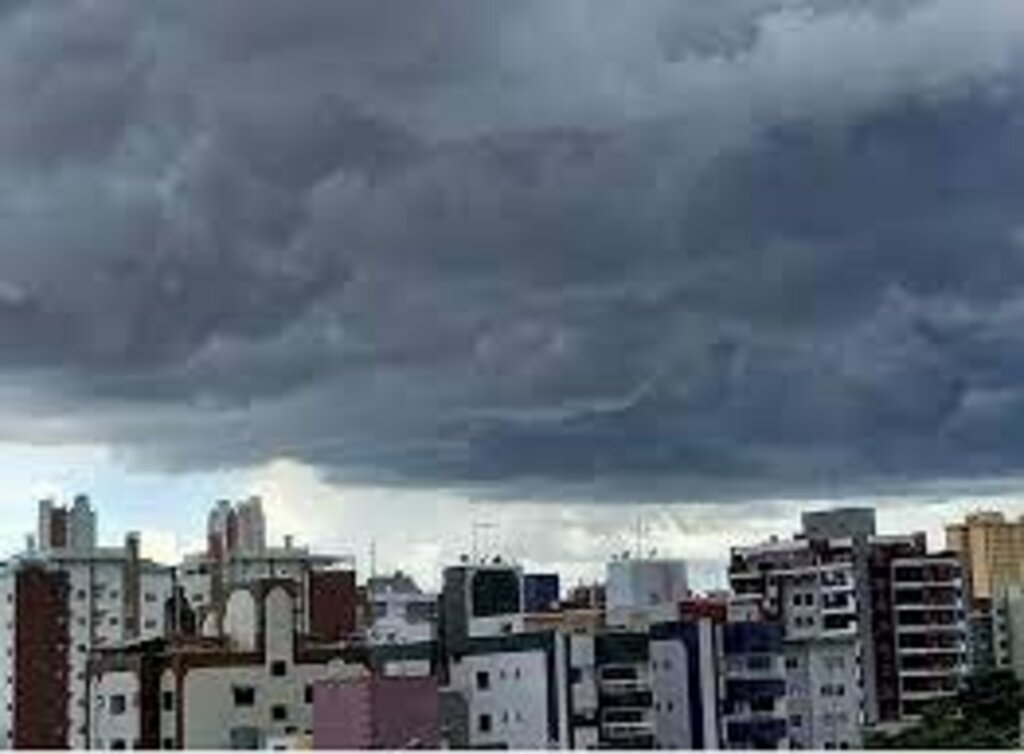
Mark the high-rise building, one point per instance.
(991, 549)
(918, 625)
(809, 586)
(59, 603)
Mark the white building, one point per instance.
(58, 604)
(810, 586)
(641, 592)
(249, 689)
(509, 692)
(400, 613)
(237, 555)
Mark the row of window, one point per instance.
(245, 696)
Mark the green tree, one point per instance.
(985, 714)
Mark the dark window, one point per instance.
(278, 667)
(495, 593)
(117, 744)
(484, 723)
(245, 696)
(795, 721)
(309, 693)
(168, 700)
(279, 712)
(117, 704)
(168, 743)
(483, 680)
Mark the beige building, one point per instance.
(992, 551)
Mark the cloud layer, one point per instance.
(642, 251)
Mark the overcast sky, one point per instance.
(399, 266)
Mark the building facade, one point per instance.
(60, 603)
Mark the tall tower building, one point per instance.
(991, 550)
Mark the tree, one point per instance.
(985, 714)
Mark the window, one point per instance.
(150, 597)
(279, 712)
(117, 744)
(167, 701)
(483, 680)
(168, 743)
(792, 663)
(117, 704)
(518, 674)
(795, 721)
(278, 668)
(113, 620)
(245, 696)
(670, 706)
(150, 623)
(484, 723)
(309, 693)
(80, 594)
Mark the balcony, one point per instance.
(929, 628)
(622, 686)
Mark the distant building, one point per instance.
(991, 549)
(373, 712)
(237, 555)
(641, 592)
(541, 592)
(399, 612)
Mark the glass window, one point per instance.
(245, 696)
(118, 703)
(483, 680)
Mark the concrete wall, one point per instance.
(516, 702)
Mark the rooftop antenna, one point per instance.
(479, 526)
(373, 558)
(641, 534)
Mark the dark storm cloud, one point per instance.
(649, 250)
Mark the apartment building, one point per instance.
(991, 549)
(918, 625)
(60, 599)
(809, 585)
(641, 591)
(237, 554)
(251, 686)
